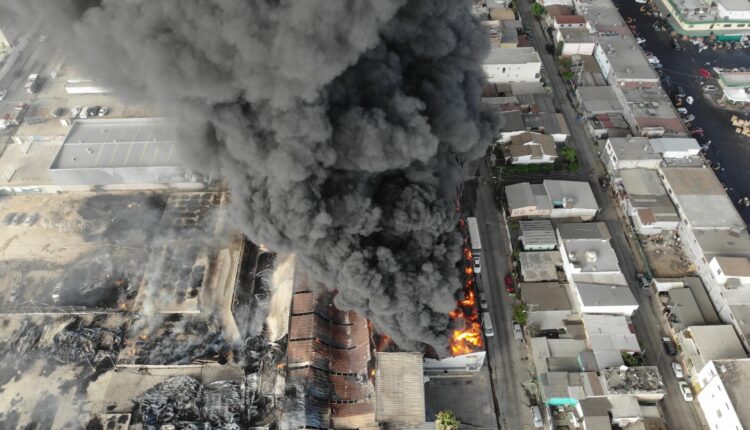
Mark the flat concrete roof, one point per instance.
(512, 56)
(716, 342)
(605, 295)
(131, 142)
(644, 182)
(633, 148)
(689, 180)
(599, 99)
(683, 306)
(723, 241)
(734, 266)
(545, 296)
(624, 54)
(707, 211)
(539, 265)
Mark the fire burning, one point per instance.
(468, 338)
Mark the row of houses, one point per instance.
(578, 308)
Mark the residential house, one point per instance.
(531, 148)
(553, 198)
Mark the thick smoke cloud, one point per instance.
(340, 127)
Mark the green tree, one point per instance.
(519, 314)
(568, 75)
(537, 10)
(446, 420)
(569, 155)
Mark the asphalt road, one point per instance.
(504, 352)
(678, 413)
(729, 149)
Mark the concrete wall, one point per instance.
(522, 72)
(714, 401)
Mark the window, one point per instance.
(718, 271)
(727, 25)
(718, 413)
(740, 25)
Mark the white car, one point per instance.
(483, 305)
(687, 394)
(104, 110)
(3, 93)
(477, 265)
(84, 113)
(517, 332)
(536, 415)
(711, 88)
(677, 370)
(75, 112)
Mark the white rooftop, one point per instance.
(512, 56)
(130, 142)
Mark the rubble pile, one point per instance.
(183, 342)
(184, 402)
(93, 345)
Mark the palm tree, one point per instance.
(446, 420)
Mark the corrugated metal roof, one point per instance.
(400, 388)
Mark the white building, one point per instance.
(724, 387)
(585, 249)
(605, 299)
(575, 40)
(630, 153)
(505, 65)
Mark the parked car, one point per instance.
(483, 305)
(517, 331)
(688, 118)
(104, 111)
(704, 73)
(682, 111)
(487, 324)
(509, 284)
(3, 93)
(677, 370)
(669, 346)
(687, 393)
(643, 280)
(94, 111)
(8, 220)
(711, 88)
(75, 112)
(30, 219)
(536, 416)
(84, 113)
(680, 92)
(58, 112)
(17, 218)
(477, 265)
(56, 292)
(696, 131)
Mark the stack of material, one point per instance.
(93, 345)
(184, 403)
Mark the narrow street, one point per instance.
(508, 369)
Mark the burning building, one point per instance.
(467, 350)
(328, 384)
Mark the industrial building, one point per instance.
(121, 153)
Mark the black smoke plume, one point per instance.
(340, 127)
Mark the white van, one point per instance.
(487, 324)
(536, 415)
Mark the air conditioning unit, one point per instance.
(591, 256)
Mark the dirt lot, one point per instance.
(665, 257)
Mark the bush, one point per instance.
(446, 420)
(519, 314)
(537, 10)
